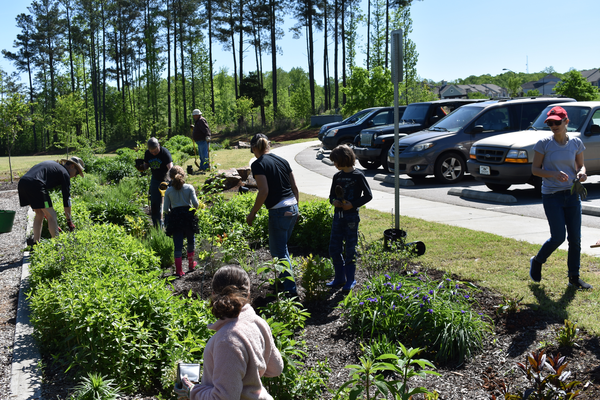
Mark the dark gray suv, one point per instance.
(443, 149)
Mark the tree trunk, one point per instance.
(274, 56)
(181, 41)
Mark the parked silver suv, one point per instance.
(505, 160)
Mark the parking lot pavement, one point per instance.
(317, 181)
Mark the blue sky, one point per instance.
(454, 39)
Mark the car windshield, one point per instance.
(456, 119)
(415, 113)
(352, 119)
(577, 117)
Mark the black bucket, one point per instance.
(417, 248)
(393, 236)
(398, 235)
(190, 170)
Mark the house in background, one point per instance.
(592, 76)
(545, 85)
(462, 91)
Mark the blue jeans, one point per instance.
(563, 211)
(344, 229)
(155, 203)
(178, 243)
(203, 153)
(281, 225)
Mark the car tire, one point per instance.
(384, 158)
(369, 164)
(450, 168)
(498, 187)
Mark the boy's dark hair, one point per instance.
(231, 290)
(343, 156)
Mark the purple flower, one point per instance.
(383, 314)
(430, 311)
(361, 303)
(456, 286)
(431, 291)
(421, 305)
(415, 272)
(466, 296)
(448, 279)
(408, 315)
(418, 288)
(462, 311)
(398, 286)
(393, 306)
(422, 279)
(425, 298)
(387, 276)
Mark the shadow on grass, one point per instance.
(548, 312)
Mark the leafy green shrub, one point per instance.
(567, 335)
(315, 272)
(98, 304)
(313, 228)
(104, 246)
(367, 376)
(112, 203)
(411, 308)
(162, 245)
(180, 143)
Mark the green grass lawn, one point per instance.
(489, 260)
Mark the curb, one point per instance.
(390, 179)
(477, 195)
(25, 383)
(590, 210)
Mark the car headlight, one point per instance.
(331, 133)
(516, 156)
(421, 147)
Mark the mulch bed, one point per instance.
(327, 337)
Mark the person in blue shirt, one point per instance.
(558, 160)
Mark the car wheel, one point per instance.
(368, 164)
(384, 158)
(497, 187)
(450, 168)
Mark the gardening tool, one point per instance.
(194, 146)
(162, 188)
(578, 188)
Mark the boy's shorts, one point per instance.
(33, 193)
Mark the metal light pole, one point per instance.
(397, 61)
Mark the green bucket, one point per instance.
(7, 217)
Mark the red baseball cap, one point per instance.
(557, 114)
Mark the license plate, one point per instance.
(484, 169)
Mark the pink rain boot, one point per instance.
(178, 270)
(191, 263)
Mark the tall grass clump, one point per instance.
(424, 313)
(98, 304)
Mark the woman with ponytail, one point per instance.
(179, 207)
(241, 351)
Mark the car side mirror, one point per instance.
(477, 129)
(594, 129)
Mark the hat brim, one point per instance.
(554, 118)
(77, 166)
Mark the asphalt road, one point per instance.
(528, 202)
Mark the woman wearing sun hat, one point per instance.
(558, 160)
(34, 190)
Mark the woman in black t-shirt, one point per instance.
(277, 190)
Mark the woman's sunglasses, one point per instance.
(553, 123)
